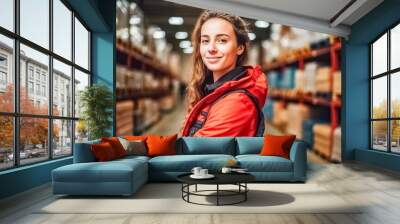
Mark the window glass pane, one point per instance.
(81, 45)
(379, 135)
(395, 136)
(6, 74)
(35, 21)
(33, 139)
(379, 55)
(7, 14)
(62, 138)
(395, 47)
(62, 89)
(35, 101)
(395, 94)
(379, 98)
(62, 29)
(81, 81)
(6, 142)
(81, 131)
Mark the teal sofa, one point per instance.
(125, 176)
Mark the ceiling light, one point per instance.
(134, 20)
(188, 50)
(159, 34)
(181, 35)
(252, 36)
(175, 20)
(261, 24)
(184, 44)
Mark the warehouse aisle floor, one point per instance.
(170, 123)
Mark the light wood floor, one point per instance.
(378, 189)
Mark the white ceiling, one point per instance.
(313, 15)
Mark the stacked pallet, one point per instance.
(167, 103)
(337, 83)
(308, 134)
(151, 112)
(336, 148)
(268, 109)
(288, 78)
(273, 79)
(310, 70)
(297, 114)
(124, 117)
(322, 139)
(322, 83)
(300, 80)
(281, 116)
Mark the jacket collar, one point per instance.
(234, 74)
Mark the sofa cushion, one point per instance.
(206, 145)
(249, 145)
(257, 163)
(116, 145)
(134, 147)
(277, 145)
(161, 145)
(185, 163)
(103, 152)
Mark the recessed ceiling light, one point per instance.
(252, 36)
(159, 34)
(261, 24)
(175, 20)
(184, 44)
(134, 20)
(188, 50)
(181, 35)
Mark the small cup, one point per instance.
(226, 170)
(196, 170)
(203, 172)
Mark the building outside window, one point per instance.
(56, 134)
(30, 72)
(3, 72)
(30, 87)
(385, 96)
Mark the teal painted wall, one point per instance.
(24, 178)
(99, 15)
(355, 70)
(104, 54)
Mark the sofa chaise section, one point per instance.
(87, 177)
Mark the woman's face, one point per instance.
(218, 46)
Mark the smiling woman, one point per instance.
(224, 96)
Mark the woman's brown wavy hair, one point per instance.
(195, 88)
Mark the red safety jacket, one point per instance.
(230, 110)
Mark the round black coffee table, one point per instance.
(238, 179)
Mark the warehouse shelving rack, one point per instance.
(131, 57)
(333, 102)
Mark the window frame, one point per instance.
(388, 74)
(16, 114)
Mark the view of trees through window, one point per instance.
(38, 113)
(385, 94)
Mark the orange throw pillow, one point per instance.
(135, 137)
(116, 145)
(277, 145)
(103, 152)
(161, 145)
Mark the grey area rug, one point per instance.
(166, 198)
